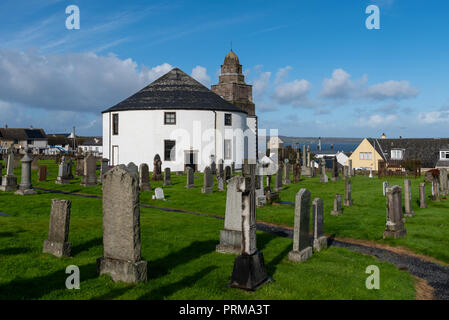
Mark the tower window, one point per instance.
(228, 119)
(170, 118)
(169, 150)
(115, 124)
(227, 149)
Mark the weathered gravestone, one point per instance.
(422, 195)
(323, 178)
(42, 173)
(351, 171)
(220, 168)
(58, 231)
(121, 227)
(1, 173)
(319, 239)
(144, 183)
(213, 165)
(278, 180)
(63, 172)
(70, 169)
(167, 177)
(301, 241)
(34, 163)
(90, 171)
(335, 176)
(208, 183)
(227, 173)
(9, 180)
(190, 178)
(25, 187)
(232, 167)
(287, 173)
(79, 171)
(157, 168)
(348, 199)
(159, 194)
(408, 198)
(436, 191)
(104, 167)
(337, 205)
(444, 188)
(249, 268)
(395, 221)
(220, 183)
(231, 235)
(385, 185)
(297, 172)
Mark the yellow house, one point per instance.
(365, 156)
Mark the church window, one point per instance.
(170, 118)
(227, 149)
(228, 119)
(169, 150)
(115, 124)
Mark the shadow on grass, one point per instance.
(38, 287)
(13, 251)
(6, 234)
(86, 245)
(271, 267)
(112, 294)
(263, 239)
(160, 267)
(188, 281)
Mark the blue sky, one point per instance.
(316, 69)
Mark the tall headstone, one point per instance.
(436, 191)
(319, 239)
(261, 199)
(304, 156)
(220, 183)
(227, 173)
(337, 210)
(395, 221)
(231, 235)
(323, 178)
(297, 172)
(233, 167)
(444, 188)
(104, 167)
(144, 183)
(58, 231)
(301, 241)
(70, 169)
(1, 173)
(422, 195)
(208, 181)
(167, 177)
(79, 171)
(408, 198)
(34, 163)
(63, 172)
(309, 164)
(190, 178)
(9, 180)
(335, 176)
(348, 199)
(220, 168)
(121, 227)
(25, 187)
(385, 185)
(286, 173)
(90, 171)
(370, 173)
(42, 173)
(351, 171)
(249, 268)
(157, 168)
(278, 181)
(213, 165)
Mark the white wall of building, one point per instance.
(142, 133)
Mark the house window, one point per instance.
(366, 155)
(170, 118)
(115, 124)
(228, 119)
(444, 155)
(397, 154)
(169, 150)
(29, 141)
(227, 149)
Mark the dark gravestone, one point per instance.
(144, 177)
(58, 232)
(42, 173)
(319, 239)
(395, 221)
(301, 241)
(157, 168)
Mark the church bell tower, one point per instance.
(232, 87)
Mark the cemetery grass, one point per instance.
(182, 262)
(426, 232)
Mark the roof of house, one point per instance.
(22, 134)
(175, 90)
(95, 141)
(425, 149)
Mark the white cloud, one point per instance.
(294, 92)
(282, 74)
(76, 82)
(261, 84)
(434, 116)
(339, 86)
(377, 120)
(392, 90)
(200, 74)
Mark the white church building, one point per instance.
(184, 122)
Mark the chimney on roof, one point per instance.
(400, 137)
(31, 126)
(6, 126)
(383, 136)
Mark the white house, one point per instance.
(183, 122)
(94, 145)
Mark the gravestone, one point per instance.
(231, 235)
(297, 172)
(232, 167)
(58, 231)
(335, 176)
(408, 198)
(323, 178)
(370, 173)
(278, 180)
(79, 171)
(319, 239)
(9, 180)
(16, 162)
(436, 191)
(157, 168)
(422, 195)
(90, 171)
(190, 178)
(159, 194)
(104, 167)
(42, 173)
(286, 173)
(348, 199)
(227, 173)
(385, 185)
(337, 205)
(63, 172)
(220, 168)
(121, 227)
(70, 169)
(144, 183)
(443, 182)
(133, 168)
(208, 183)
(395, 222)
(1, 173)
(351, 171)
(261, 199)
(25, 187)
(220, 183)
(301, 241)
(34, 163)
(213, 165)
(167, 177)
(249, 268)
(268, 182)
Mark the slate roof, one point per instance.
(96, 141)
(22, 134)
(425, 149)
(175, 90)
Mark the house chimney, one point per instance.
(383, 136)
(31, 127)
(6, 126)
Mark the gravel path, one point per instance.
(436, 275)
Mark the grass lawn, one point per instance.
(180, 250)
(427, 231)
